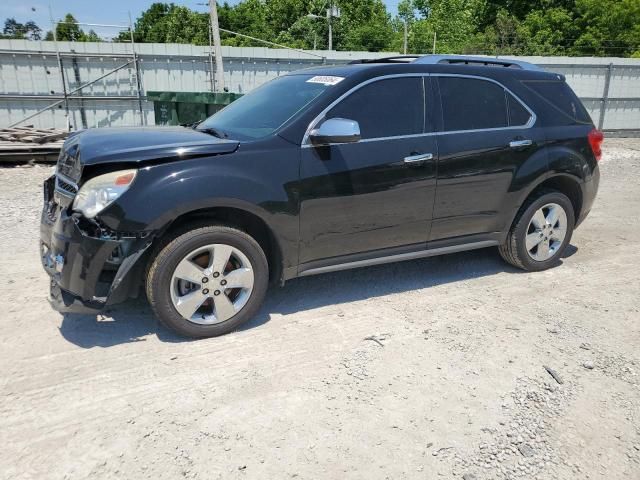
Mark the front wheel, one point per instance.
(207, 281)
(540, 233)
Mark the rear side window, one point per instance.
(385, 108)
(560, 96)
(471, 104)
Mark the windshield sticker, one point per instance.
(325, 79)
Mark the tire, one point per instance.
(166, 288)
(515, 250)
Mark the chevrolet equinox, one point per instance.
(320, 170)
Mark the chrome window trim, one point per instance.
(314, 123)
(396, 137)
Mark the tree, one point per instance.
(92, 36)
(451, 21)
(517, 27)
(548, 32)
(250, 18)
(14, 29)
(607, 27)
(69, 30)
(364, 25)
(34, 32)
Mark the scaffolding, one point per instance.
(76, 94)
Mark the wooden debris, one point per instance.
(29, 144)
(32, 135)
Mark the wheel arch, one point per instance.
(237, 215)
(565, 183)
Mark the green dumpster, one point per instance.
(176, 108)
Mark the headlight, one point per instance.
(101, 191)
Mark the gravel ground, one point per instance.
(426, 369)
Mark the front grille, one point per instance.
(66, 187)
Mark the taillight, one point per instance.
(596, 137)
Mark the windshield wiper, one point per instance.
(192, 125)
(213, 131)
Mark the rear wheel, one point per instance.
(541, 232)
(207, 281)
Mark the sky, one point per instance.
(112, 12)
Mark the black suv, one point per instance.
(316, 171)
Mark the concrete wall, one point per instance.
(30, 79)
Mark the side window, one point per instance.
(518, 115)
(385, 108)
(471, 104)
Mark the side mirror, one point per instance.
(335, 130)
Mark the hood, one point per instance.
(143, 144)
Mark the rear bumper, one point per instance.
(589, 192)
(87, 271)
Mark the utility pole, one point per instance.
(136, 64)
(405, 36)
(330, 15)
(215, 30)
(54, 28)
(212, 70)
(434, 43)
(331, 12)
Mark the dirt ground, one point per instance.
(425, 369)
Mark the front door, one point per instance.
(376, 194)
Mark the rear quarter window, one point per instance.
(561, 98)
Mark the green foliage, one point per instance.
(169, 23)
(92, 36)
(547, 32)
(13, 29)
(607, 27)
(559, 27)
(363, 25)
(69, 30)
(451, 21)
(494, 27)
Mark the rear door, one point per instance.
(486, 136)
(377, 193)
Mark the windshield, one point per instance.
(268, 107)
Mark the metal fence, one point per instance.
(34, 75)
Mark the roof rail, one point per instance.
(476, 61)
(453, 60)
(393, 59)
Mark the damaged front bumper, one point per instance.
(89, 267)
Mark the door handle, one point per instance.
(520, 143)
(418, 157)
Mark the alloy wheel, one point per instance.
(546, 232)
(212, 284)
